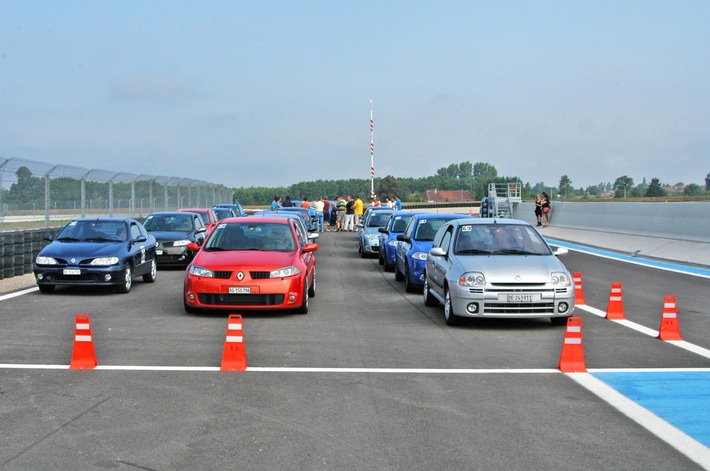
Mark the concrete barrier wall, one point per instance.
(683, 221)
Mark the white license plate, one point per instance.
(158, 252)
(520, 298)
(71, 271)
(239, 290)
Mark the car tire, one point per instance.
(451, 318)
(559, 320)
(408, 286)
(152, 275)
(46, 288)
(429, 300)
(125, 287)
(189, 309)
(398, 274)
(312, 288)
(304, 306)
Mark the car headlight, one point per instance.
(393, 243)
(419, 255)
(371, 236)
(200, 271)
(45, 261)
(104, 261)
(472, 279)
(560, 278)
(284, 272)
(181, 243)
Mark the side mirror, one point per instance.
(560, 251)
(193, 247)
(48, 238)
(140, 238)
(312, 247)
(437, 252)
(403, 238)
(313, 235)
(383, 230)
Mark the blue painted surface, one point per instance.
(680, 398)
(626, 258)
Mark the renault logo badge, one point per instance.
(240, 276)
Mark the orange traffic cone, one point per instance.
(572, 357)
(615, 307)
(83, 356)
(578, 290)
(670, 329)
(234, 356)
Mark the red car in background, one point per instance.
(209, 217)
(264, 263)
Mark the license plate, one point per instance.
(239, 290)
(158, 252)
(520, 298)
(71, 271)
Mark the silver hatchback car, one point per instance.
(496, 268)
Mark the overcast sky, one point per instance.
(270, 93)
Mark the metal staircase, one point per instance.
(502, 198)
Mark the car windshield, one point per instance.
(400, 223)
(427, 228)
(507, 239)
(94, 231)
(169, 222)
(378, 219)
(252, 236)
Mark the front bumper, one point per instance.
(94, 276)
(264, 294)
(511, 302)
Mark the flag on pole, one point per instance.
(372, 153)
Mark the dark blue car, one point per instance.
(97, 251)
(414, 245)
(388, 237)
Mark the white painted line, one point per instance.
(682, 442)
(691, 347)
(18, 293)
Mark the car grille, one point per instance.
(240, 299)
(259, 275)
(83, 278)
(519, 308)
(225, 275)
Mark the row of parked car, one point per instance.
(475, 267)
(264, 261)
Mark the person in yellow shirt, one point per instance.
(358, 210)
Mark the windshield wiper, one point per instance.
(513, 252)
(472, 251)
(68, 239)
(100, 239)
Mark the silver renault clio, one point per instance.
(498, 268)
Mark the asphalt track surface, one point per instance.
(370, 378)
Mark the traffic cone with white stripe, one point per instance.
(234, 356)
(578, 289)
(572, 356)
(670, 329)
(615, 307)
(83, 356)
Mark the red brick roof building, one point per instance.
(448, 196)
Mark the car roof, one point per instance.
(194, 210)
(485, 221)
(257, 220)
(105, 219)
(440, 215)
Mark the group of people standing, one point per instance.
(542, 209)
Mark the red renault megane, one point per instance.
(252, 263)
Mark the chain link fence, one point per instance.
(41, 191)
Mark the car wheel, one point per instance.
(398, 274)
(152, 274)
(408, 286)
(312, 289)
(304, 306)
(559, 320)
(451, 318)
(429, 300)
(127, 281)
(189, 309)
(46, 288)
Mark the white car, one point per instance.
(498, 268)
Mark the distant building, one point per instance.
(448, 196)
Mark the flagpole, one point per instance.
(372, 154)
